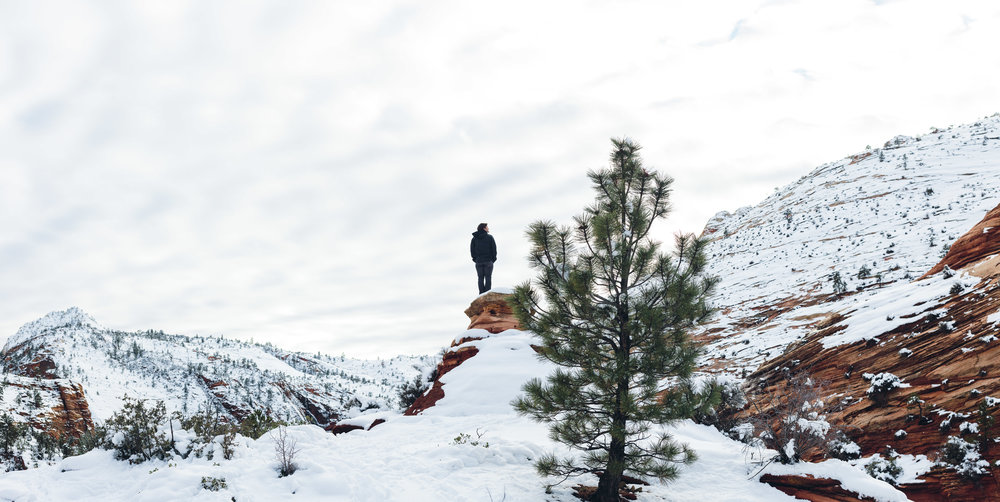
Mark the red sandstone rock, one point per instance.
(936, 357)
(449, 361)
(492, 312)
(979, 243)
(71, 413)
(30, 361)
(810, 488)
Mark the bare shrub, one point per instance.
(285, 451)
(791, 419)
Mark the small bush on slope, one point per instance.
(964, 457)
(886, 469)
(730, 398)
(136, 432)
(410, 391)
(12, 438)
(257, 424)
(207, 426)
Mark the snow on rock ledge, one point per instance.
(494, 329)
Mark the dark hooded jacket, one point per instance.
(483, 247)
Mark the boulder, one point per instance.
(492, 312)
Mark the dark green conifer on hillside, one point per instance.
(614, 319)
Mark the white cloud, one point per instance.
(309, 173)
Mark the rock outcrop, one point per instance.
(28, 360)
(979, 246)
(491, 312)
(55, 405)
(810, 488)
(449, 361)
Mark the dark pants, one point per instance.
(485, 272)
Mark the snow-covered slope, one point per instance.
(194, 373)
(882, 216)
(470, 446)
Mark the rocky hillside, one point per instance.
(64, 372)
(902, 345)
(916, 365)
(881, 217)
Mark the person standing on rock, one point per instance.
(484, 253)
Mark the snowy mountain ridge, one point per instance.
(195, 373)
(71, 317)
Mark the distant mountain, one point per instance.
(68, 355)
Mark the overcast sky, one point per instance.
(309, 173)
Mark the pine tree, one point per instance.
(615, 322)
(839, 286)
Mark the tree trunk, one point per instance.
(607, 487)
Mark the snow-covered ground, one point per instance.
(470, 446)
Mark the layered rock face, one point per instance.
(491, 312)
(33, 391)
(57, 406)
(945, 348)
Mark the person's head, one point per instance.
(483, 227)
